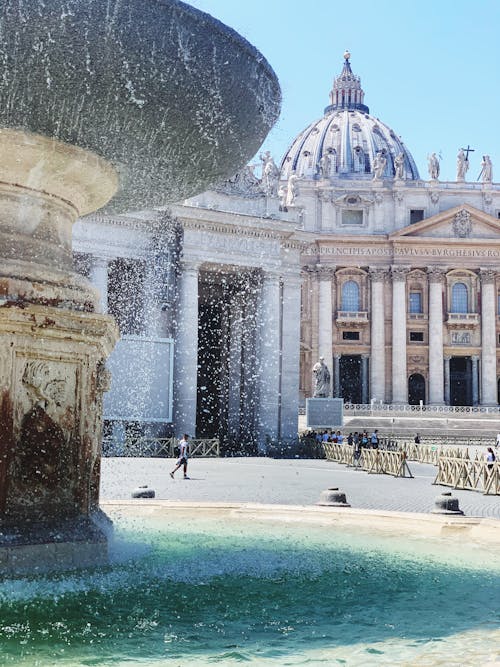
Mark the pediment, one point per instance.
(460, 222)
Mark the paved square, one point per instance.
(284, 481)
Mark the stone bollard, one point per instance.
(333, 498)
(446, 504)
(143, 492)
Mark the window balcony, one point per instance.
(417, 316)
(463, 320)
(346, 318)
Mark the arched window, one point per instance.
(459, 298)
(350, 296)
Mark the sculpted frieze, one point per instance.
(236, 244)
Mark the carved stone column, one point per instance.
(378, 279)
(290, 354)
(364, 378)
(326, 274)
(436, 358)
(488, 339)
(186, 351)
(336, 375)
(446, 380)
(475, 380)
(99, 279)
(399, 379)
(269, 378)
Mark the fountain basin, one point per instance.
(270, 585)
(168, 95)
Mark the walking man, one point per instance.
(183, 456)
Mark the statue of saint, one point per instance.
(321, 379)
(433, 163)
(379, 165)
(399, 164)
(325, 164)
(486, 169)
(292, 189)
(270, 175)
(462, 165)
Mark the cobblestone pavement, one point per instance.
(284, 481)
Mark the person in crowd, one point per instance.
(340, 438)
(417, 439)
(490, 457)
(350, 439)
(374, 439)
(364, 439)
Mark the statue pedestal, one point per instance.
(324, 412)
(52, 378)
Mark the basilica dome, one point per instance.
(348, 142)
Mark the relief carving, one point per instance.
(462, 224)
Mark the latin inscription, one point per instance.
(409, 252)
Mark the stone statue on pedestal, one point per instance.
(321, 376)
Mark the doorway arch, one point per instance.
(416, 389)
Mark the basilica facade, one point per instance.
(341, 250)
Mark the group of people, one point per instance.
(358, 439)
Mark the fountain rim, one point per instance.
(480, 530)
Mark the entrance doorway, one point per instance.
(350, 378)
(416, 389)
(460, 381)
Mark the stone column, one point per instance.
(364, 378)
(186, 351)
(336, 375)
(475, 380)
(325, 314)
(269, 333)
(436, 358)
(99, 278)
(446, 380)
(290, 357)
(377, 335)
(234, 365)
(488, 339)
(399, 379)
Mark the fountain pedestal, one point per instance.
(53, 347)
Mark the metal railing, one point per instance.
(384, 462)
(469, 474)
(163, 447)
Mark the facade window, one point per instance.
(350, 335)
(126, 294)
(350, 296)
(416, 215)
(416, 336)
(459, 298)
(415, 302)
(352, 217)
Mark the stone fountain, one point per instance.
(124, 104)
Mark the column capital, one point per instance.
(487, 276)
(378, 274)
(436, 274)
(189, 265)
(325, 272)
(399, 273)
(475, 358)
(337, 356)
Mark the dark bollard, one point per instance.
(333, 498)
(143, 492)
(446, 504)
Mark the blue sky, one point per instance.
(430, 69)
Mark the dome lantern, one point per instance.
(347, 92)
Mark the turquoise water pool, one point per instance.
(186, 589)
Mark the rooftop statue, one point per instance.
(433, 164)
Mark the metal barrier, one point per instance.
(469, 474)
(384, 462)
(165, 447)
